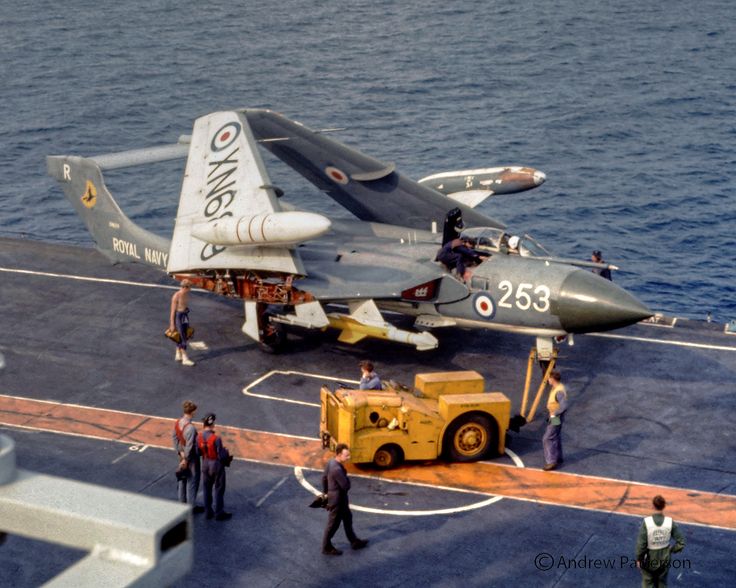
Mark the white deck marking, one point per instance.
(86, 278)
(257, 381)
(271, 491)
(299, 475)
(664, 342)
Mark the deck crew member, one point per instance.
(179, 320)
(556, 407)
(653, 545)
(369, 379)
(603, 272)
(185, 444)
(457, 254)
(336, 484)
(215, 458)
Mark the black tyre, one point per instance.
(274, 338)
(469, 438)
(387, 457)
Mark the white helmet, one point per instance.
(513, 241)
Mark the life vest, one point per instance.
(658, 537)
(207, 447)
(552, 405)
(180, 432)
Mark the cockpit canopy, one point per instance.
(494, 240)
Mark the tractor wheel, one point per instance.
(387, 457)
(469, 438)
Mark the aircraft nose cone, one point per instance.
(589, 303)
(539, 177)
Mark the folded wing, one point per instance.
(371, 189)
(229, 216)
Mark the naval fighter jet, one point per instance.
(234, 235)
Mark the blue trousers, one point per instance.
(189, 487)
(181, 322)
(213, 481)
(552, 442)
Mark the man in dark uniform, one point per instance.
(603, 272)
(458, 253)
(185, 444)
(653, 545)
(215, 458)
(336, 484)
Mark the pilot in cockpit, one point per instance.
(513, 244)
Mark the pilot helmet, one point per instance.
(513, 241)
(209, 419)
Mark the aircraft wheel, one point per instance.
(273, 339)
(469, 438)
(387, 456)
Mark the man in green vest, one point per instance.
(653, 545)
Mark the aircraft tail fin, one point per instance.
(114, 234)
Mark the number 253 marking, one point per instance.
(525, 298)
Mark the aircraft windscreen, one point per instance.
(486, 238)
(529, 247)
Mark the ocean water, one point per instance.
(628, 107)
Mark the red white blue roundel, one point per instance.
(336, 175)
(483, 305)
(225, 136)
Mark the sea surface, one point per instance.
(627, 106)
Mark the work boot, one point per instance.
(223, 516)
(331, 550)
(184, 359)
(359, 543)
(178, 355)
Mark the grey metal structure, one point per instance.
(235, 236)
(132, 540)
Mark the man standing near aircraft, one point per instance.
(179, 320)
(185, 444)
(556, 405)
(603, 272)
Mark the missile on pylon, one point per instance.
(353, 331)
(492, 180)
(270, 228)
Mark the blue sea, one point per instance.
(628, 107)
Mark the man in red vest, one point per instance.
(215, 458)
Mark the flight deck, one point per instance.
(90, 389)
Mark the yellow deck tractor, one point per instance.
(446, 413)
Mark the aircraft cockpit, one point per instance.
(491, 240)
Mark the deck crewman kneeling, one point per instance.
(215, 458)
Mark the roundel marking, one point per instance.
(225, 136)
(483, 305)
(336, 175)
